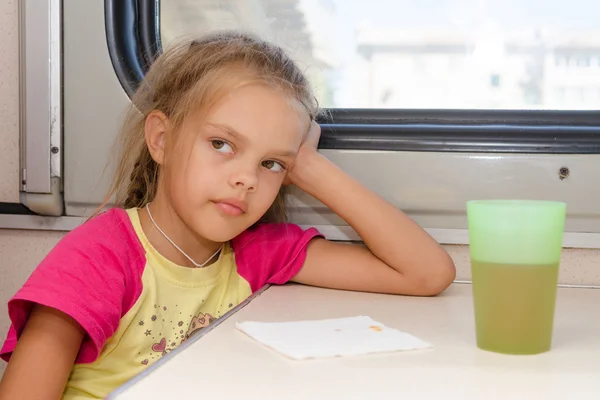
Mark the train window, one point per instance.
(430, 54)
(430, 103)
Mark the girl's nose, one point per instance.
(246, 179)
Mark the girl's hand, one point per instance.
(312, 137)
(307, 150)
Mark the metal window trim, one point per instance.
(473, 137)
(56, 120)
(122, 391)
(577, 240)
(41, 113)
(39, 222)
(115, 394)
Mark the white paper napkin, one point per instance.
(330, 337)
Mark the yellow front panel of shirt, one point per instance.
(175, 302)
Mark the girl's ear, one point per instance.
(155, 130)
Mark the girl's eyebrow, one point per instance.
(229, 130)
(232, 132)
(286, 153)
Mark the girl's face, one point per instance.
(237, 161)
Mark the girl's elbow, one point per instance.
(440, 278)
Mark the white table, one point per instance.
(226, 364)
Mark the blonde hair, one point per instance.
(188, 78)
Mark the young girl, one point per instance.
(220, 127)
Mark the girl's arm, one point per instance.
(42, 361)
(400, 257)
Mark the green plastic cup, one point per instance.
(515, 248)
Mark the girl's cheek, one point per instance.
(273, 180)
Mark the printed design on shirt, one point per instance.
(165, 328)
(166, 336)
(198, 322)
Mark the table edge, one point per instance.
(195, 337)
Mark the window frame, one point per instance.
(440, 135)
(134, 41)
(40, 109)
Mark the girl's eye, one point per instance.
(221, 146)
(272, 165)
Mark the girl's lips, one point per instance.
(232, 207)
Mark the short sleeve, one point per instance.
(271, 253)
(93, 274)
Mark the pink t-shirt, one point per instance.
(129, 299)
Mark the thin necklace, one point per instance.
(177, 247)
